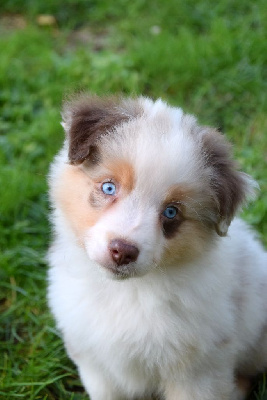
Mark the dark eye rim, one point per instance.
(170, 226)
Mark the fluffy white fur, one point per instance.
(182, 328)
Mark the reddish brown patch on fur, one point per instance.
(178, 194)
(80, 195)
(123, 172)
(228, 184)
(90, 117)
(189, 242)
(193, 205)
(175, 197)
(193, 231)
(72, 194)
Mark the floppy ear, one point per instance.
(230, 187)
(85, 119)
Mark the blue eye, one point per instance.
(108, 188)
(170, 212)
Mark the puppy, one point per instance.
(154, 291)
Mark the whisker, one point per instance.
(157, 267)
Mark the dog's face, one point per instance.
(145, 186)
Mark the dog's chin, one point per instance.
(122, 272)
(120, 276)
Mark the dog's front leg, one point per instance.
(180, 392)
(206, 387)
(97, 384)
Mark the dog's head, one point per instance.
(145, 186)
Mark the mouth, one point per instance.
(121, 272)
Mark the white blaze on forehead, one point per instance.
(159, 145)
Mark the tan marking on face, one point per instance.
(195, 228)
(72, 193)
(81, 198)
(186, 199)
(181, 197)
(118, 170)
(174, 197)
(195, 204)
(178, 193)
(190, 241)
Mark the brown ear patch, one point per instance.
(88, 117)
(228, 184)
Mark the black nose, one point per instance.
(122, 252)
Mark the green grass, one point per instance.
(211, 60)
